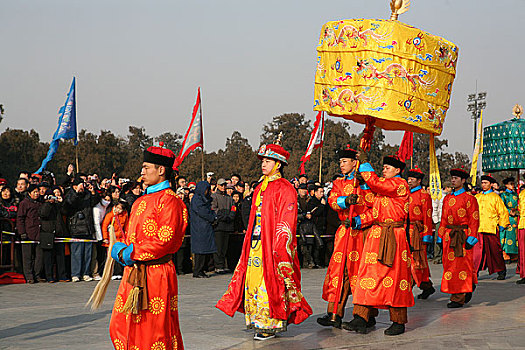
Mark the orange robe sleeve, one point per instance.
(105, 223)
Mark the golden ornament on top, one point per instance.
(398, 7)
(517, 110)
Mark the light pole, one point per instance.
(476, 102)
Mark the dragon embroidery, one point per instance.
(393, 70)
(346, 96)
(285, 268)
(350, 32)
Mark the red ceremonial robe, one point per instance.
(282, 273)
(458, 272)
(343, 187)
(156, 228)
(420, 210)
(378, 285)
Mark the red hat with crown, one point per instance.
(159, 155)
(274, 151)
(416, 173)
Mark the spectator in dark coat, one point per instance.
(28, 225)
(8, 206)
(202, 235)
(78, 203)
(222, 205)
(52, 221)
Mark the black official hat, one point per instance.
(302, 187)
(489, 179)
(347, 152)
(394, 161)
(509, 179)
(460, 172)
(416, 173)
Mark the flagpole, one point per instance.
(202, 148)
(76, 156)
(320, 164)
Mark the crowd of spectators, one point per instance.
(64, 225)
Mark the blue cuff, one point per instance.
(439, 240)
(341, 202)
(117, 247)
(472, 240)
(364, 187)
(357, 222)
(427, 239)
(365, 167)
(126, 255)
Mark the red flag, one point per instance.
(316, 140)
(193, 138)
(406, 149)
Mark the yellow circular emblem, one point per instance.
(338, 257)
(150, 227)
(463, 275)
(448, 275)
(451, 201)
(451, 256)
(462, 212)
(388, 282)
(403, 285)
(354, 255)
(156, 305)
(141, 207)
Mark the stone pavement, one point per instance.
(52, 316)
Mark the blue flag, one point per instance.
(67, 126)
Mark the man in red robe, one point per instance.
(420, 218)
(384, 277)
(346, 238)
(266, 284)
(458, 233)
(145, 314)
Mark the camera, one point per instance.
(50, 197)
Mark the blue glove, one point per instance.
(117, 247)
(356, 222)
(126, 255)
(428, 239)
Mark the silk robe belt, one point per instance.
(415, 242)
(387, 242)
(457, 238)
(138, 296)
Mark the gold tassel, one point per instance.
(132, 304)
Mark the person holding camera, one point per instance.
(78, 203)
(53, 225)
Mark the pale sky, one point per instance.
(140, 62)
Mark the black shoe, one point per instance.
(426, 293)
(395, 329)
(326, 321)
(30, 281)
(521, 281)
(201, 275)
(358, 324)
(454, 305)
(371, 322)
(468, 297)
(501, 275)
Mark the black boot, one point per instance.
(454, 305)
(501, 275)
(395, 329)
(426, 293)
(468, 297)
(358, 324)
(521, 281)
(371, 322)
(326, 321)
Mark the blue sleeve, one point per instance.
(341, 202)
(117, 247)
(365, 167)
(439, 240)
(472, 240)
(428, 239)
(126, 255)
(364, 187)
(357, 222)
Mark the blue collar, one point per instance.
(349, 176)
(458, 192)
(487, 192)
(509, 191)
(158, 187)
(415, 189)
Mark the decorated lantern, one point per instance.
(504, 144)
